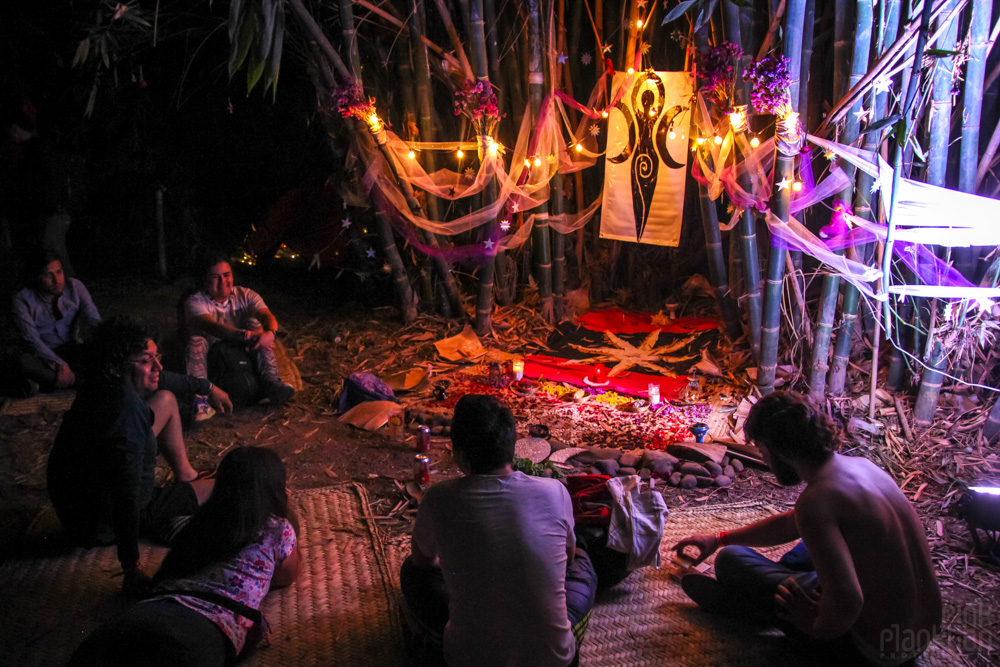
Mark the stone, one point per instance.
(689, 482)
(675, 479)
(705, 482)
(593, 454)
(651, 455)
(713, 468)
(609, 467)
(661, 467)
(729, 471)
(724, 462)
(689, 468)
(645, 474)
(625, 471)
(723, 481)
(630, 460)
(737, 465)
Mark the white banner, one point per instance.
(644, 171)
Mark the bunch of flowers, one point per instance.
(477, 101)
(770, 79)
(717, 68)
(352, 103)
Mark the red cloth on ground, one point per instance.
(635, 384)
(621, 321)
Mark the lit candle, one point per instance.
(654, 394)
(518, 368)
(599, 373)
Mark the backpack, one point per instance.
(232, 368)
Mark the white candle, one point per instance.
(518, 367)
(654, 394)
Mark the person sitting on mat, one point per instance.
(859, 588)
(47, 316)
(494, 570)
(204, 609)
(101, 471)
(221, 311)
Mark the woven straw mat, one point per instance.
(57, 401)
(340, 611)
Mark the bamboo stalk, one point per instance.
(771, 321)
(540, 234)
(456, 42)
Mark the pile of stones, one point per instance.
(661, 465)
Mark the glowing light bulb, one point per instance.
(755, 142)
(652, 113)
(631, 70)
(579, 148)
(493, 147)
(604, 114)
(374, 120)
(527, 162)
(638, 24)
(459, 154)
(700, 140)
(796, 186)
(672, 134)
(694, 149)
(538, 162)
(411, 155)
(718, 139)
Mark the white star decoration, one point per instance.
(489, 244)
(346, 222)
(595, 129)
(370, 252)
(641, 4)
(628, 355)
(562, 58)
(784, 184)
(586, 58)
(470, 173)
(861, 114)
(514, 205)
(882, 84)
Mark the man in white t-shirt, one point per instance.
(222, 311)
(495, 572)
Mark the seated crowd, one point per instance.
(496, 575)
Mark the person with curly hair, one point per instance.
(859, 588)
(102, 468)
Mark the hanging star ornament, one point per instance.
(606, 48)
(641, 4)
(784, 184)
(882, 84)
(371, 253)
(595, 129)
(645, 47)
(627, 355)
(345, 223)
(830, 155)
(387, 268)
(562, 58)
(489, 244)
(861, 114)
(586, 58)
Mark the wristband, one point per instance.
(246, 335)
(722, 539)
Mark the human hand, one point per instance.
(135, 582)
(220, 401)
(796, 605)
(262, 340)
(705, 544)
(64, 376)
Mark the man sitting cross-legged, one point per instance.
(222, 311)
(101, 471)
(860, 586)
(494, 568)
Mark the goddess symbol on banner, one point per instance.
(648, 93)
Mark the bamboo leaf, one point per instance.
(82, 51)
(234, 20)
(240, 50)
(274, 67)
(678, 11)
(704, 13)
(268, 9)
(940, 53)
(884, 122)
(254, 72)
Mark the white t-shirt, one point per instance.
(502, 541)
(241, 305)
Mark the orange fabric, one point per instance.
(635, 384)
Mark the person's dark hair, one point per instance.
(484, 432)
(249, 489)
(114, 342)
(35, 262)
(786, 422)
(206, 261)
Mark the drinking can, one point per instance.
(424, 439)
(423, 469)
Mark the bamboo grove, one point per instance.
(909, 81)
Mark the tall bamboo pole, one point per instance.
(937, 168)
(748, 223)
(852, 126)
(784, 168)
(536, 90)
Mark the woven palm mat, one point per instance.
(57, 401)
(340, 611)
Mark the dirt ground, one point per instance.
(330, 336)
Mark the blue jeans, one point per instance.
(749, 580)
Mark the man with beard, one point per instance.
(859, 588)
(47, 315)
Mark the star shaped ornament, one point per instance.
(882, 84)
(586, 58)
(594, 129)
(641, 4)
(606, 48)
(562, 58)
(627, 355)
(371, 253)
(861, 114)
(346, 222)
(784, 184)
(387, 268)
(489, 244)
(645, 47)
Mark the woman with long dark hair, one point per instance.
(204, 609)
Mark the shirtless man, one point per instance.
(861, 583)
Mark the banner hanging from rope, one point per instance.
(644, 171)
